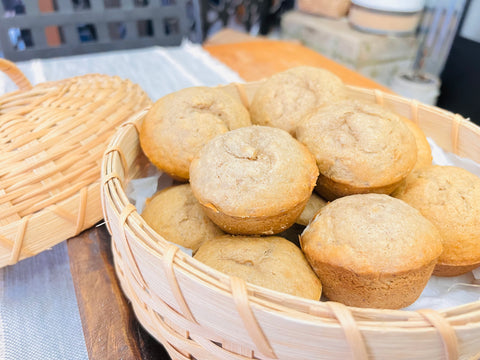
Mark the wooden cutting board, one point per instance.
(254, 60)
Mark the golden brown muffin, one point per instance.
(176, 215)
(179, 124)
(285, 98)
(314, 204)
(449, 197)
(371, 250)
(272, 262)
(253, 180)
(359, 148)
(424, 151)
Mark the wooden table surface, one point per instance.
(110, 327)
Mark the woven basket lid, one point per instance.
(53, 136)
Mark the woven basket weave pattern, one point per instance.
(53, 137)
(198, 312)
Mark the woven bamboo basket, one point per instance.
(53, 136)
(197, 312)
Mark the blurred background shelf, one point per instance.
(376, 56)
(445, 44)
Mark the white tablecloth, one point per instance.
(39, 317)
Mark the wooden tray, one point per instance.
(197, 312)
(53, 136)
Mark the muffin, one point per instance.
(359, 147)
(179, 124)
(449, 197)
(272, 262)
(176, 215)
(314, 204)
(371, 250)
(424, 151)
(253, 180)
(284, 99)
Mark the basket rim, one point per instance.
(136, 225)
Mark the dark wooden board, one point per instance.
(110, 328)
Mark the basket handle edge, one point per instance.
(15, 74)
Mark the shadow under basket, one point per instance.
(54, 135)
(197, 312)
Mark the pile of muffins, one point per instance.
(375, 219)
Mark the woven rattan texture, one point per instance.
(199, 313)
(52, 138)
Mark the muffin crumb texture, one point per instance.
(272, 262)
(371, 250)
(253, 180)
(359, 148)
(449, 197)
(286, 98)
(181, 123)
(175, 214)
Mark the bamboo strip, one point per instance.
(131, 259)
(446, 332)
(240, 297)
(170, 276)
(352, 333)
(17, 246)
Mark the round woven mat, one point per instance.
(52, 138)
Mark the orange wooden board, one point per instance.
(254, 60)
